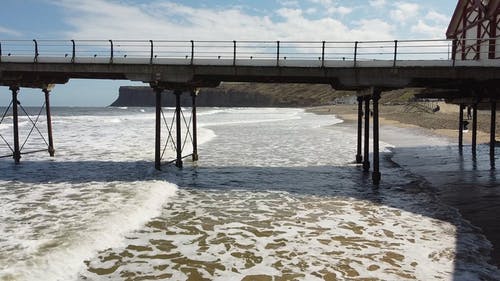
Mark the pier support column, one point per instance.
(51, 149)
(195, 128)
(474, 129)
(359, 157)
(376, 159)
(158, 92)
(178, 161)
(366, 156)
(493, 132)
(461, 127)
(15, 121)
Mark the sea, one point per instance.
(275, 195)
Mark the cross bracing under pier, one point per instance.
(370, 67)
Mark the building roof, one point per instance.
(490, 9)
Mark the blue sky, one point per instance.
(330, 20)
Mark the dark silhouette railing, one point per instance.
(233, 52)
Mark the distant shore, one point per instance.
(471, 190)
(443, 123)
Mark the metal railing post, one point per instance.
(73, 51)
(395, 52)
(323, 54)
(234, 52)
(36, 51)
(355, 53)
(277, 53)
(0, 51)
(151, 45)
(192, 52)
(112, 52)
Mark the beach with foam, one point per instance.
(273, 197)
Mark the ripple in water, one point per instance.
(273, 198)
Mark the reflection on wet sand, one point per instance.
(286, 236)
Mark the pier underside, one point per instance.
(469, 84)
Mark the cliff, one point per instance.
(237, 95)
(258, 95)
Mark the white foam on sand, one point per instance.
(140, 229)
(278, 233)
(59, 255)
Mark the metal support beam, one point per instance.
(51, 149)
(461, 127)
(195, 129)
(493, 132)
(178, 161)
(359, 157)
(474, 129)
(376, 159)
(366, 157)
(158, 92)
(15, 120)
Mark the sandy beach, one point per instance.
(443, 123)
(466, 183)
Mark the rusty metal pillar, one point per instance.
(376, 159)
(359, 157)
(366, 156)
(15, 120)
(493, 132)
(158, 92)
(461, 127)
(51, 149)
(178, 160)
(474, 129)
(195, 128)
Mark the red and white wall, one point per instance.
(476, 27)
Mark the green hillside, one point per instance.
(310, 94)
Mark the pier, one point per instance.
(368, 67)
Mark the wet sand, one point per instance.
(466, 183)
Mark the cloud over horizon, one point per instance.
(291, 20)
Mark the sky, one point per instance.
(294, 20)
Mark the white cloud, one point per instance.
(9, 32)
(437, 17)
(289, 13)
(341, 10)
(311, 11)
(404, 12)
(326, 3)
(373, 29)
(289, 3)
(429, 31)
(377, 3)
(101, 19)
(432, 25)
(332, 8)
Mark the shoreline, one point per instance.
(468, 185)
(443, 123)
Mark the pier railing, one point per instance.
(272, 53)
